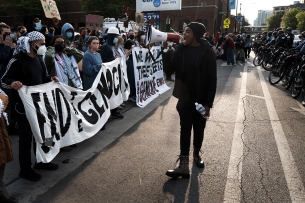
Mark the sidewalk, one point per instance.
(26, 191)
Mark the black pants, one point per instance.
(190, 118)
(247, 51)
(25, 142)
(131, 77)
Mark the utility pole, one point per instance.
(236, 15)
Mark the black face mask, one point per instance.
(131, 36)
(59, 47)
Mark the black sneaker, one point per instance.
(10, 200)
(46, 166)
(117, 115)
(30, 175)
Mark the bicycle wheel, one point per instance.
(266, 64)
(296, 86)
(287, 79)
(257, 61)
(276, 74)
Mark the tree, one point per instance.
(263, 24)
(19, 8)
(106, 8)
(274, 21)
(290, 19)
(301, 21)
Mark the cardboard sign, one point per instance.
(140, 19)
(50, 9)
(94, 21)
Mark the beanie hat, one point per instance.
(198, 29)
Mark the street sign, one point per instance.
(226, 26)
(226, 21)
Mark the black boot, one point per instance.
(197, 159)
(182, 170)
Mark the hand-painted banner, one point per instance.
(60, 115)
(149, 77)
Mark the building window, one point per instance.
(187, 21)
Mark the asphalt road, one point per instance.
(254, 150)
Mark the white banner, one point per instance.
(158, 5)
(149, 78)
(60, 115)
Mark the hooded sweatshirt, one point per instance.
(64, 29)
(106, 50)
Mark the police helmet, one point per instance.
(264, 33)
(281, 32)
(269, 33)
(303, 34)
(278, 29)
(274, 33)
(289, 28)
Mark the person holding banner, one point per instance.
(27, 68)
(61, 61)
(107, 56)
(195, 65)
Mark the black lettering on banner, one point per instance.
(154, 67)
(160, 82)
(148, 58)
(161, 65)
(80, 129)
(147, 89)
(40, 117)
(139, 56)
(63, 128)
(116, 88)
(51, 116)
(74, 109)
(93, 117)
(139, 72)
(120, 76)
(73, 94)
(100, 110)
(104, 89)
(109, 83)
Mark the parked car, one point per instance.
(296, 41)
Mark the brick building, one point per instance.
(209, 12)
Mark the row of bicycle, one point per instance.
(284, 65)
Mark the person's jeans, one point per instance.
(230, 56)
(190, 118)
(247, 51)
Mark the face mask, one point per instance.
(12, 35)
(120, 46)
(131, 36)
(164, 50)
(59, 47)
(170, 44)
(115, 40)
(143, 37)
(38, 26)
(41, 49)
(69, 35)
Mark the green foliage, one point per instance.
(301, 21)
(274, 21)
(106, 8)
(290, 19)
(19, 8)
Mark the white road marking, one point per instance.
(233, 184)
(250, 95)
(293, 179)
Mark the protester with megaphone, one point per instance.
(195, 66)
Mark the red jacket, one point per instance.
(229, 43)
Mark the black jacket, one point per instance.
(17, 70)
(206, 75)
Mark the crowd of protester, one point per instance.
(61, 55)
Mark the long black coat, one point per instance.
(206, 75)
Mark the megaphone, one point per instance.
(153, 35)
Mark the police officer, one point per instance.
(290, 37)
(281, 40)
(273, 38)
(302, 42)
(269, 37)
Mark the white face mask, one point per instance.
(165, 50)
(41, 50)
(143, 37)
